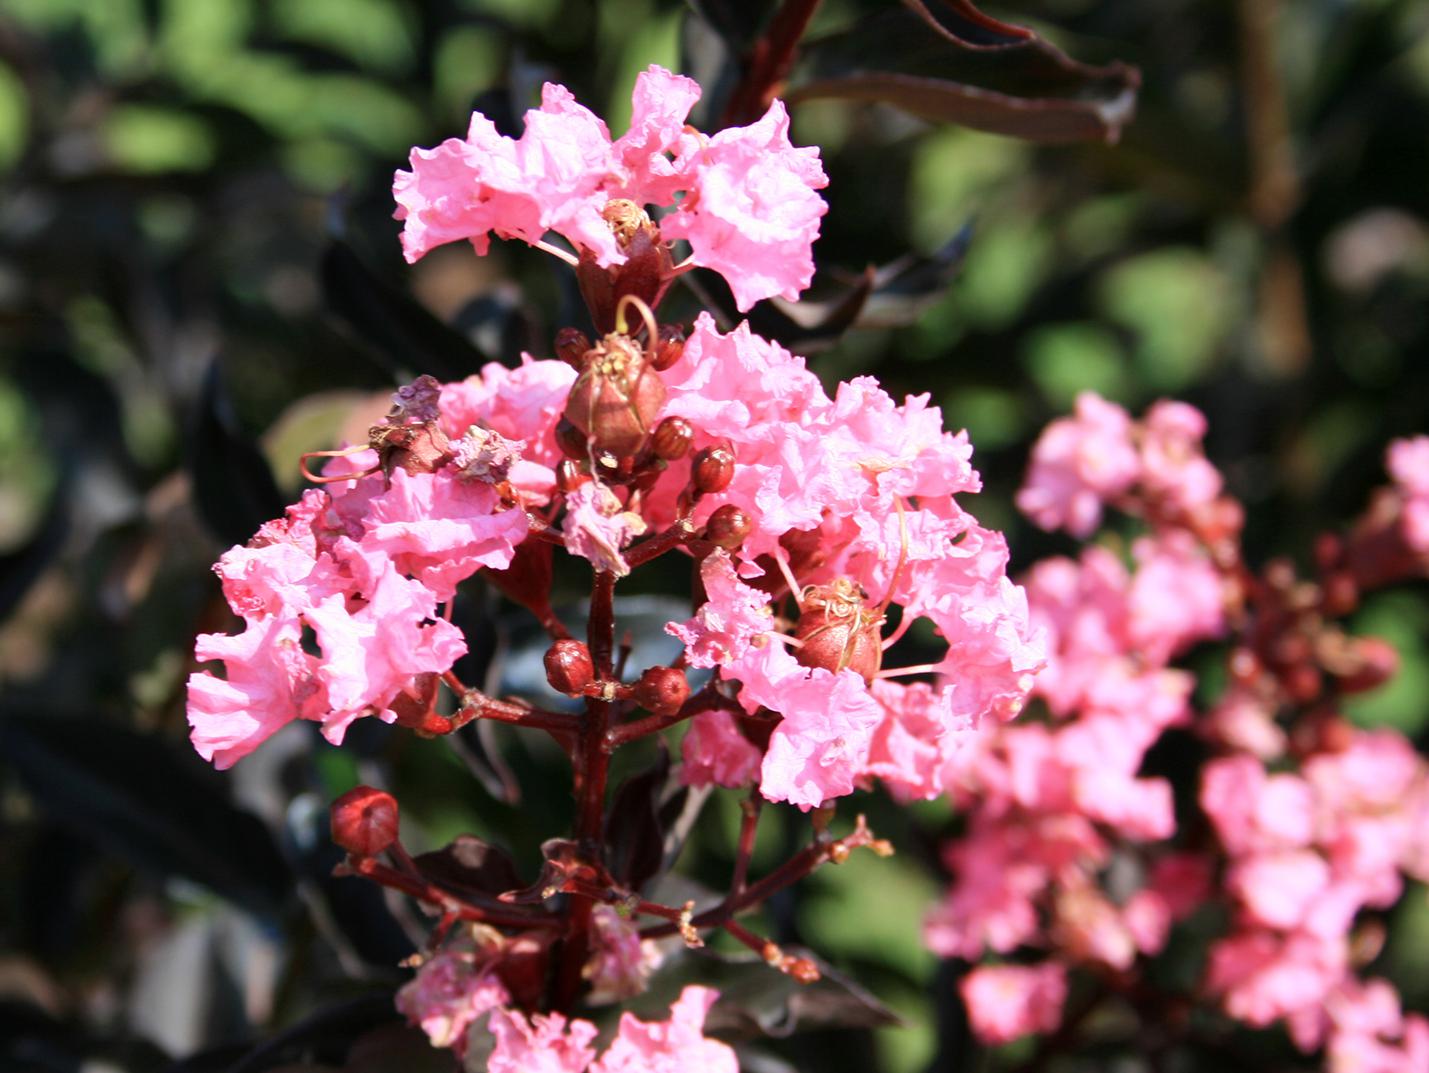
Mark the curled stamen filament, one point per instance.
(646, 314)
(555, 251)
(317, 478)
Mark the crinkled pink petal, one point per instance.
(620, 962)
(753, 215)
(1005, 1002)
(732, 615)
(597, 527)
(523, 403)
(565, 158)
(544, 1043)
(1279, 888)
(1078, 464)
(715, 751)
(440, 529)
(1173, 467)
(448, 995)
(660, 105)
(674, 1046)
(268, 682)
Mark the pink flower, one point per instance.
(732, 615)
(1408, 463)
(749, 208)
(269, 681)
(1008, 1001)
(597, 527)
(674, 1046)
(1255, 811)
(1279, 889)
(1263, 976)
(440, 529)
(1078, 464)
(1176, 596)
(450, 992)
(1173, 469)
(620, 962)
(912, 747)
(542, 1043)
(821, 745)
(752, 215)
(715, 751)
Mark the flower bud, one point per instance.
(672, 438)
(669, 347)
(837, 630)
(662, 690)
(713, 469)
(617, 397)
(570, 476)
(728, 526)
(571, 440)
(571, 346)
(569, 667)
(364, 821)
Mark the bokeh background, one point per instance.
(200, 277)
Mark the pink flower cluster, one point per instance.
(1051, 805)
(361, 572)
(1308, 850)
(1100, 455)
(743, 199)
(851, 508)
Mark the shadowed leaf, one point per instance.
(232, 481)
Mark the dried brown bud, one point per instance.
(364, 821)
(669, 347)
(571, 346)
(713, 468)
(672, 438)
(728, 526)
(662, 690)
(569, 667)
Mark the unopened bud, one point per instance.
(672, 438)
(571, 346)
(662, 690)
(713, 469)
(569, 667)
(570, 476)
(364, 821)
(727, 527)
(669, 347)
(571, 440)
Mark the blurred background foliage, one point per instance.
(199, 277)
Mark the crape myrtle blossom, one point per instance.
(743, 199)
(1101, 456)
(846, 497)
(1408, 463)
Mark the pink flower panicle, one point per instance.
(743, 199)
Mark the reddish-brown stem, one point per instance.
(477, 705)
(748, 829)
(415, 887)
(591, 767)
(615, 737)
(768, 62)
(757, 943)
(682, 532)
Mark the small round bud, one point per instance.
(669, 347)
(672, 438)
(364, 821)
(571, 346)
(837, 630)
(662, 690)
(569, 667)
(570, 476)
(727, 527)
(713, 469)
(571, 440)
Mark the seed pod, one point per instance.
(569, 667)
(728, 526)
(662, 690)
(672, 438)
(617, 397)
(364, 821)
(571, 346)
(838, 630)
(713, 469)
(669, 347)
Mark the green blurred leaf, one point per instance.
(1064, 359)
(143, 138)
(1402, 619)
